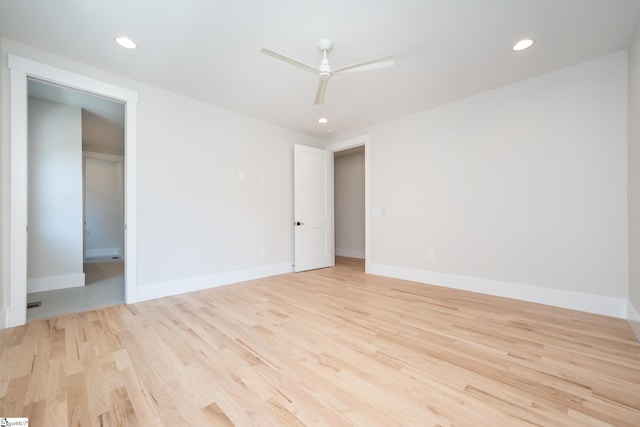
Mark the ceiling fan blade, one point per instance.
(322, 88)
(289, 60)
(371, 64)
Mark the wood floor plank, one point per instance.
(13, 403)
(215, 416)
(95, 384)
(171, 407)
(329, 347)
(121, 412)
(140, 401)
(55, 414)
(35, 412)
(78, 401)
(56, 384)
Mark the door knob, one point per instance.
(299, 223)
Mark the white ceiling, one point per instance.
(209, 49)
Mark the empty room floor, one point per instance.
(104, 287)
(329, 347)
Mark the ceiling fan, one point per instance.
(325, 72)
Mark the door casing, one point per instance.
(20, 69)
(359, 141)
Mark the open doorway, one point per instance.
(75, 254)
(20, 70)
(351, 206)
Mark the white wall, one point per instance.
(199, 215)
(103, 198)
(198, 224)
(349, 204)
(55, 196)
(634, 182)
(519, 191)
(4, 190)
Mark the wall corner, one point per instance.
(633, 318)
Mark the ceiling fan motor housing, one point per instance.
(325, 69)
(325, 44)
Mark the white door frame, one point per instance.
(347, 144)
(20, 69)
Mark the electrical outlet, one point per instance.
(263, 252)
(431, 256)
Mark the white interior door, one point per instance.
(313, 208)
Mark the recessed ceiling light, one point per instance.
(126, 42)
(323, 120)
(522, 45)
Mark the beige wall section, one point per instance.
(101, 136)
(349, 204)
(634, 182)
(55, 196)
(525, 184)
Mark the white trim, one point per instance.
(4, 318)
(192, 284)
(632, 313)
(18, 195)
(351, 253)
(131, 202)
(362, 140)
(52, 283)
(597, 304)
(634, 319)
(20, 69)
(348, 143)
(15, 314)
(102, 252)
(76, 81)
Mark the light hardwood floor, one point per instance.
(328, 347)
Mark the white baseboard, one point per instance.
(351, 253)
(17, 315)
(102, 252)
(191, 284)
(608, 306)
(634, 319)
(4, 318)
(55, 282)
